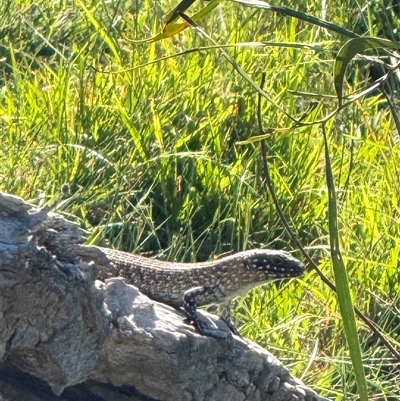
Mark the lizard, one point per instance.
(189, 285)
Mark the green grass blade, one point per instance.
(299, 15)
(348, 51)
(102, 31)
(342, 282)
(173, 28)
(180, 8)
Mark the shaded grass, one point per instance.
(147, 159)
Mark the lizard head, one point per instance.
(273, 264)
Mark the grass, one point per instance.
(149, 151)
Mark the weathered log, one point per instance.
(85, 339)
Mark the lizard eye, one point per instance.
(276, 261)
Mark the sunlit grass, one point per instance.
(153, 159)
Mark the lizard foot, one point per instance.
(207, 330)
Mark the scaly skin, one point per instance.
(190, 285)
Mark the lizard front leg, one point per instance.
(224, 310)
(205, 295)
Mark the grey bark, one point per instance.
(61, 329)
